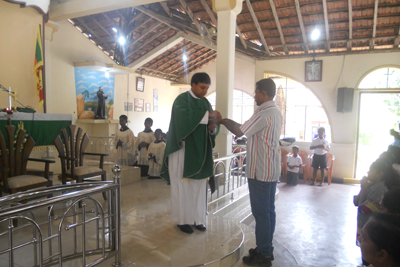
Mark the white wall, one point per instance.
(69, 46)
(18, 31)
(166, 97)
(343, 125)
(244, 76)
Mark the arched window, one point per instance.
(243, 105)
(379, 112)
(302, 112)
(381, 78)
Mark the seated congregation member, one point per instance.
(320, 146)
(391, 201)
(155, 155)
(380, 240)
(124, 141)
(294, 163)
(143, 142)
(373, 188)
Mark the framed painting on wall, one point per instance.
(139, 84)
(313, 71)
(139, 105)
(155, 100)
(148, 107)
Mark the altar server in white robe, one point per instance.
(124, 140)
(143, 142)
(155, 155)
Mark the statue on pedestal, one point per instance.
(101, 104)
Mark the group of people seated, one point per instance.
(145, 151)
(378, 218)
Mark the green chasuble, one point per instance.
(187, 113)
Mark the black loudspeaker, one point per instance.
(345, 99)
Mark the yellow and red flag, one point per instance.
(38, 67)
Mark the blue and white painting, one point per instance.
(87, 83)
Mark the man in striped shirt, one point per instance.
(263, 167)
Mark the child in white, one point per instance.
(143, 142)
(124, 141)
(320, 147)
(294, 163)
(155, 155)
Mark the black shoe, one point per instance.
(257, 260)
(185, 228)
(200, 227)
(254, 250)
(153, 177)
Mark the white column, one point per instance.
(227, 11)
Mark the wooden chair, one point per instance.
(330, 159)
(13, 162)
(283, 164)
(72, 157)
(305, 158)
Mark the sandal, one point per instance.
(312, 183)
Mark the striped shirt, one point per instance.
(263, 130)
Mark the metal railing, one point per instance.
(52, 234)
(229, 175)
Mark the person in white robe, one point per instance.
(155, 155)
(143, 142)
(124, 142)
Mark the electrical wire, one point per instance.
(335, 88)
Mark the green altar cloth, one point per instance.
(43, 127)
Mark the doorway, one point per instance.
(379, 112)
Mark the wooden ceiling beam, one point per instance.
(206, 55)
(349, 43)
(372, 44)
(215, 22)
(303, 31)
(325, 8)
(93, 33)
(147, 41)
(190, 14)
(157, 71)
(142, 35)
(278, 25)
(103, 28)
(189, 68)
(167, 21)
(260, 33)
(163, 65)
(166, 9)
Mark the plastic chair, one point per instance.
(305, 157)
(329, 160)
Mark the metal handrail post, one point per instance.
(117, 180)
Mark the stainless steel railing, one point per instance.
(60, 218)
(229, 174)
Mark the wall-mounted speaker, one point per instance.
(345, 99)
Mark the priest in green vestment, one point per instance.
(188, 161)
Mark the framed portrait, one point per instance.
(148, 107)
(313, 71)
(139, 105)
(139, 84)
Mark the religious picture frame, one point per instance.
(139, 84)
(313, 71)
(139, 105)
(128, 106)
(155, 100)
(148, 107)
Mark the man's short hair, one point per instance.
(321, 129)
(200, 77)
(148, 120)
(296, 147)
(158, 131)
(267, 85)
(124, 117)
